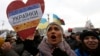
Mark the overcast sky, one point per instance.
(74, 12)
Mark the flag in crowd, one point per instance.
(58, 20)
(43, 23)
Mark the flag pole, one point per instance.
(2, 24)
(48, 18)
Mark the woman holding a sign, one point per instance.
(53, 44)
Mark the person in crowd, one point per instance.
(17, 48)
(31, 43)
(90, 45)
(6, 48)
(53, 43)
(97, 31)
(10, 48)
(10, 38)
(77, 36)
(72, 40)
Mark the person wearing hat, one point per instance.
(90, 45)
(53, 43)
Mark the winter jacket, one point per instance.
(17, 50)
(87, 53)
(78, 52)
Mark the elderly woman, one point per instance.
(53, 43)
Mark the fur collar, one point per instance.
(46, 49)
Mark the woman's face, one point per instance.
(91, 42)
(54, 34)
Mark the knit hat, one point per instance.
(53, 23)
(88, 33)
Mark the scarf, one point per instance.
(46, 49)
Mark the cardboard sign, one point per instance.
(25, 17)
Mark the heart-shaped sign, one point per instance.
(25, 17)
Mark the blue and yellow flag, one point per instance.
(43, 23)
(58, 20)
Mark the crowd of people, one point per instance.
(53, 43)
